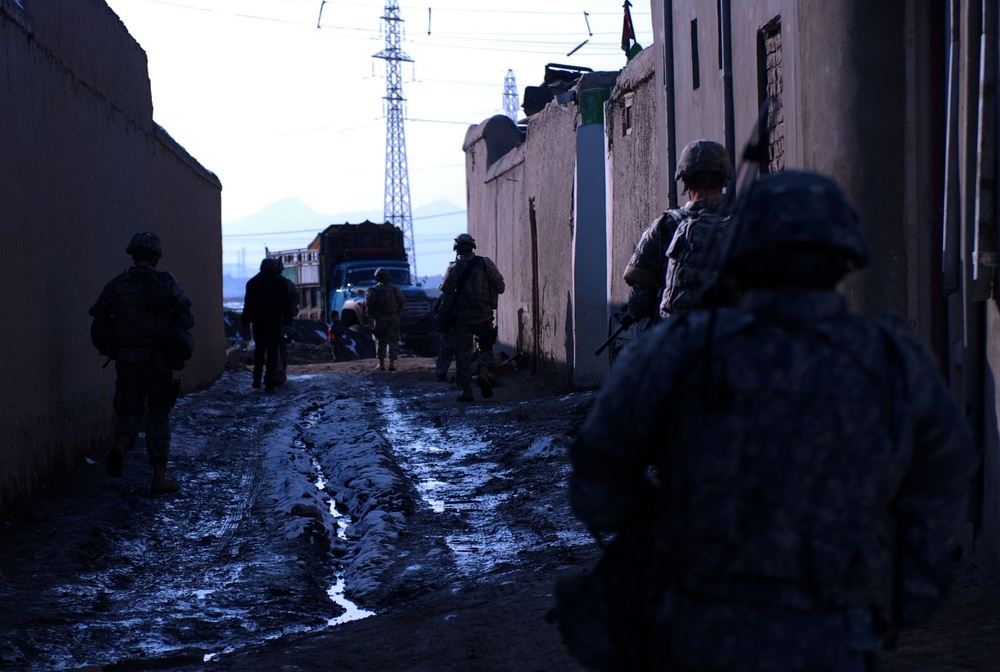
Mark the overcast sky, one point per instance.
(279, 108)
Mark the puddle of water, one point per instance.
(444, 465)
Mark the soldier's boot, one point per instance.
(381, 363)
(484, 387)
(160, 484)
(116, 456)
(392, 363)
(466, 395)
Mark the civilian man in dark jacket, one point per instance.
(267, 308)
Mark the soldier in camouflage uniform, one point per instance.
(144, 307)
(471, 289)
(804, 468)
(704, 169)
(385, 303)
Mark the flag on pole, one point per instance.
(629, 44)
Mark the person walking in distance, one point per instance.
(267, 309)
(141, 319)
(470, 289)
(704, 169)
(385, 303)
(335, 336)
(784, 477)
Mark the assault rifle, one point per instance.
(755, 153)
(624, 322)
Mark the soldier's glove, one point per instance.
(626, 320)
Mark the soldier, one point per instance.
(267, 310)
(471, 287)
(385, 303)
(704, 169)
(802, 468)
(144, 312)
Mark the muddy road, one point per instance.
(349, 521)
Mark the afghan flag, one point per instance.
(629, 44)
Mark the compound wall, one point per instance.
(82, 167)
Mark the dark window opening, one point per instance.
(718, 24)
(627, 114)
(770, 86)
(695, 60)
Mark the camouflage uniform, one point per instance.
(385, 304)
(473, 310)
(693, 261)
(651, 294)
(144, 304)
(808, 469)
(646, 271)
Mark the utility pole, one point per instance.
(510, 100)
(397, 180)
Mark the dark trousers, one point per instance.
(143, 392)
(266, 351)
(267, 339)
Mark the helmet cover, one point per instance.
(797, 207)
(464, 240)
(704, 156)
(145, 240)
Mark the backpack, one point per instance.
(692, 260)
(177, 346)
(102, 335)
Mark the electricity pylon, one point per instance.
(397, 180)
(510, 101)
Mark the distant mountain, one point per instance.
(291, 224)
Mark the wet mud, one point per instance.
(354, 520)
(346, 495)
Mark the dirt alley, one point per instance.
(448, 521)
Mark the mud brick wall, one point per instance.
(632, 119)
(521, 215)
(82, 167)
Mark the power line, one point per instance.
(296, 231)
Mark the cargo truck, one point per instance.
(349, 255)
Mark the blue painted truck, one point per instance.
(350, 254)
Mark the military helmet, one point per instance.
(145, 240)
(381, 272)
(464, 240)
(798, 208)
(704, 156)
(270, 264)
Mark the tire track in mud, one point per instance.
(464, 463)
(172, 579)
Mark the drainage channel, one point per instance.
(352, 612)
(341, 520)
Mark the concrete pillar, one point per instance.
(589, 243)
